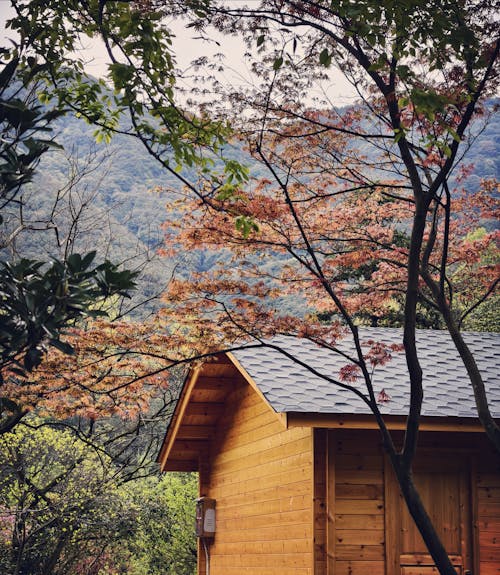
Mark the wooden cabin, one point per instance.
(297, 469)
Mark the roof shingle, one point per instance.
(291, 387)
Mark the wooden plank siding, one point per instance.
(366, 530)
(261, 476)
(320, 502)
(359, 503)
(488, 521)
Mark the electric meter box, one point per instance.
(205, 517)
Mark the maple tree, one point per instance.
(100, 375)
(357, 205)
(38, 303)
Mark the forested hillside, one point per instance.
(119, 195)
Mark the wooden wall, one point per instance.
(261, 476)
(488, 513)
(358, 531)
(355, 505)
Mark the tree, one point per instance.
(37, 305)
(423, 73)
(164, 538)
(114, 368)
(60, 503)
(139, 95)
(67, 508)
(38, 299)
(43, 78)
(44, 303)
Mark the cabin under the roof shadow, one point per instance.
(301, 482)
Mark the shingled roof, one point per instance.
(300, 397)
(292, 388)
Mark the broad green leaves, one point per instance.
(38, 302)
(24, 130)
(141, 77)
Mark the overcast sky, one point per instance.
(187, 48)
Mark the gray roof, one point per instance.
(290, 387)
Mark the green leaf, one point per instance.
(325, 58)
(246, 225)
(453, 134)
(278, 63)
(88, 259)
(74, 262)
(398, 134)
(260, 40)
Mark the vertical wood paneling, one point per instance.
(488, 509)
(392, 497)
(320, 502)
(331, 503)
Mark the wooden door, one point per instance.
(443, 484)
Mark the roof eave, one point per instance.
(393, 422)
(176, 419)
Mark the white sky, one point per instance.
(187, 48)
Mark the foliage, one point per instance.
(357, 229)
(138, 97)
(115, 368)
(320, 228)
(119, 194)
(67, 508)
(39, 299)
(163, 539)
(59, 503)
(23, 122)
(38, 304)
(141, 72)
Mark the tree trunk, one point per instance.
(422, 520)
(491, 428)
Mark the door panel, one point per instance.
(443, 484)
(441, 495)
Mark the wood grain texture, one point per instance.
(488, 505)
(261, 476)
(358, 507)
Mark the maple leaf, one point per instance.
(349, 373)
(383, 397)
